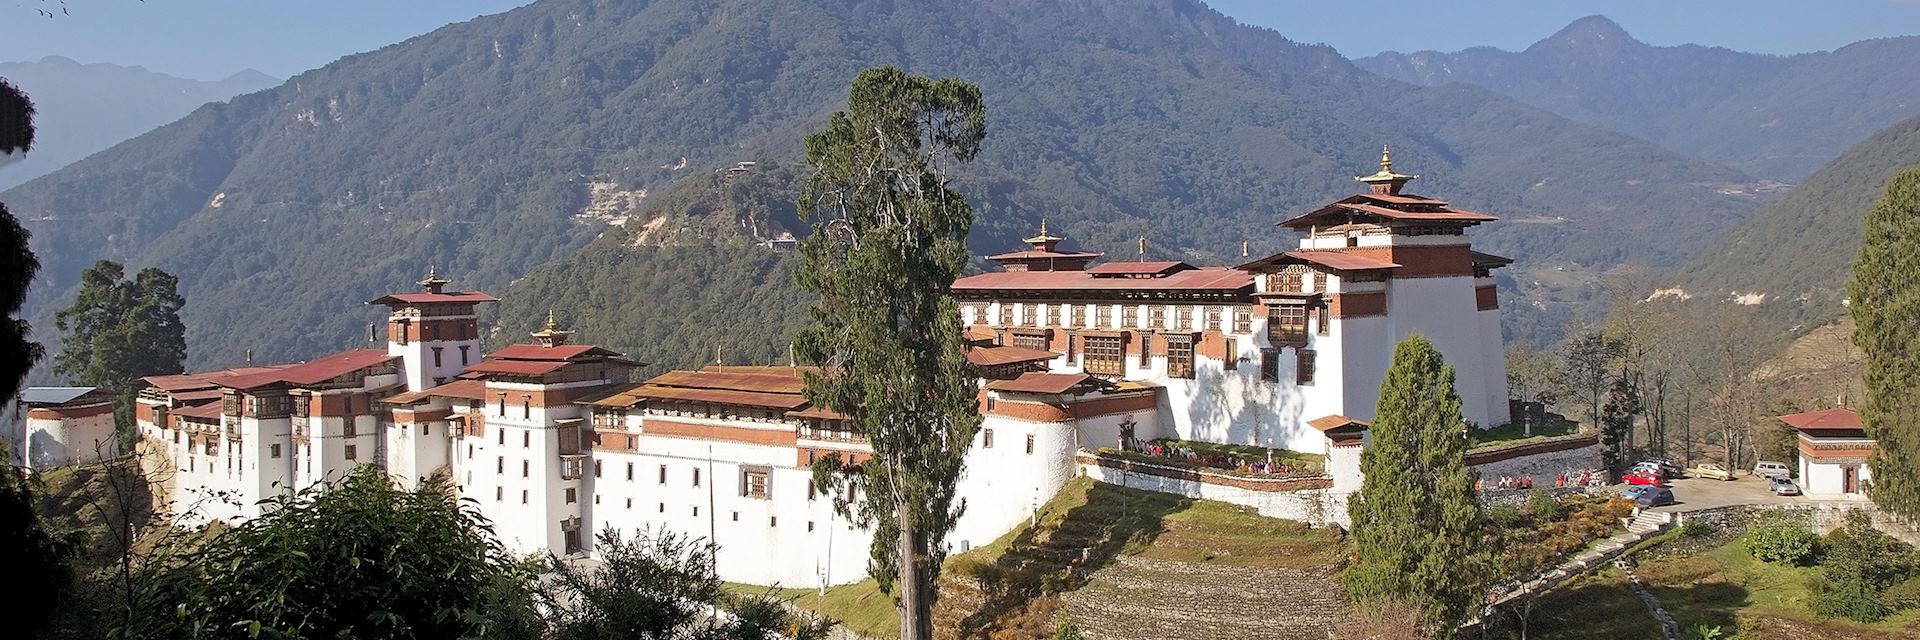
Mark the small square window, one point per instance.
(350, 452)
(275, 449)
(986, 438)
(809, 526)
(572, 496)
(736, 516)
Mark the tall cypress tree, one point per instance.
(17, 262)
(1417, 526)
(1885, 299)
(889, 238)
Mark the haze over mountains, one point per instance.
(1779, 117)
(497, 145)
(84, 108)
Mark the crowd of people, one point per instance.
(1214, 459)
(1568, 478)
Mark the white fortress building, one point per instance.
(67, 426)
(555, 441)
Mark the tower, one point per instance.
(435, 332)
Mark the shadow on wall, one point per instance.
(1236, 408)
(1062, 553)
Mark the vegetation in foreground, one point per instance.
(1883, 302)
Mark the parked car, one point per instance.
(1667, 465)
(1785, 487)
(1772, 469)
(1710, 470)
(1655, 497)
(1634, 492)
(1641, 478)
(1651, 468)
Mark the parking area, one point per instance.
(1692, 494)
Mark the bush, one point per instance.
(1503, 515)
(1543, 506)
(1903, 596)
(1862, 564)
(1782, 543)
(1695, 527)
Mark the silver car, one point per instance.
(1785, 487)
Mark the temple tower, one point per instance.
(435, 331)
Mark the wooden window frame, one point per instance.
(1304, 366)
(1287, 325)
(1179, 355)
(1105, 355)
(1269, 365)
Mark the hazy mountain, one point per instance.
(495, 145)
(84, 108)
(1798, 252)
(1772, 116)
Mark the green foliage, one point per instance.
(38, 559)
(355, 558)
(1903, 595)
(889, 239)
(1542, 506)
(1781, 543)
(1589, 359)
(1708, 632)
(1616, 421)
(1198, 132)
(1885, 277)
(658, 586)
(1066, 630)
(1860, 564)
(119, 330)
(1695, 527)
(1417, 526)
(17, 262)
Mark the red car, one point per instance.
(1641, 478)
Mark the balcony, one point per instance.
(572, 467)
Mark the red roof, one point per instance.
(787, 380)
(513, 367)
(1139, 268)
(208, 411)
(1835, 418)
(995, 356)
(546, 353)
(197, 396)
(819, 413)
(1201, 279)
(311, 372)
(1037, 254)
(1404, 207)
(783, 401)
(204, 380)
(1039, 382)
(1337, 422)
(426, 297)
(1334, 259)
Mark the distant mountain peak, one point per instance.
(252, 77)
(1589, 32)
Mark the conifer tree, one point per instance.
(1616, 422)
(119, 330)
(17, 262)
(1884, 298)
(889, 238)
(1417, 526)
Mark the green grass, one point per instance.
(1727, 586)
(1599, 606)
(1303, 463)
(1512, 434)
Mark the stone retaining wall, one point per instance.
(1544, 461)
(1821, 517)
(1301, 499)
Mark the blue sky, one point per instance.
(210, 39)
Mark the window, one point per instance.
(1073, 343)
(1029, 444)
(1182, 319)
(663, 507)
(663, 474)
(696, 476)
(503, 414)
(736, 516)
(1006, 314)
(1230, 355)
(1212, 315)
(526, 469)
(526, 439)
(503, 432)
(986, 438)
(1303, 374)
(1320, 318)
(596, 468)
(523, 496)
(1103, 315)
(1157, 317)
(400, 330)
(572, 495)
(274, 450)
(629, 472)
(500, 465)
(1270, 365)
(1314, 278)
(1287, 325)
(1179, 356)
(350, 453)
(1243, 320)
(629, 502)
(346, 430)
(1106, 355)
(1030, 341)
(1126, 316)
(436, 356)
(696, 511)
(773, 521)
(526, 412)
(463, 355)
(809, 526)
(753, 484)
(571, 530)
(499, 494)
(811, 491)
(1053, 316)
(1146, 350)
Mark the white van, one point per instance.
(1772, 469)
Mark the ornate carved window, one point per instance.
(1179, 356)
(1303, 374)
(1006, 314)
(1053, 315)
(1243, 320)
(1157, 316)
(1102, 316)
(1212, 318)
(1287, 325)
(1126, 316)
(1182, 318)
(1030, 341)
(1106, 355)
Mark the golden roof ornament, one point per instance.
(1386, 173)
(552, 335)
(433, 282)
(1043, 238)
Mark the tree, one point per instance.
(1417, 527)
(1533, 376)
(1589, 367)
(659, 587)
(17, 262)
(1860, 563)
(118, 331)
(1882, 301)
(889, 238)
(352, 558)
(39, 560)
(1616, 422)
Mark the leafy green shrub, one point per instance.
(1543, 506)
(1861, 565)
(1503, 515)
(1695, 527)
(1903, 596)
(1781, 543)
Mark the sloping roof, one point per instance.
(197, 396)
(52, 395)
(209, 410)
(310, 372)
(1404, 207)
(1490, 260)
(782, 401)
(1835, 418)
(205, 379)
(550, 354)
(978, 332)
(1201, 279)
(620, 395)
(513, 367)
(1040, 382)
(1337, 422)
(758, 380)
(996, 356)
(1036, 254)
(1139, 268)
(425, 297)
(1334, 259)
(468, 389)
(819, 413)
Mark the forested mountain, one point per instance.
(1798, 252)
(1779, 117)
(84, 108)
(493, 146)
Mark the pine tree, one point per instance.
(1884, 298)
(889, 238)
(1616, 422)
(119, 330)
(17, 262)
(1417, 526)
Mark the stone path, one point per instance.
(1668, 626)
(1644, 524)
(1147, 598)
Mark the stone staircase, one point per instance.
(1642, 525)
(1139, 597)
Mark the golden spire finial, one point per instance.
(553, 322)
(1386, 159)
(433, 282)
(1043, 225)
(1143, 248)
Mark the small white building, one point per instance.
(1833, 452)
(68, 426)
